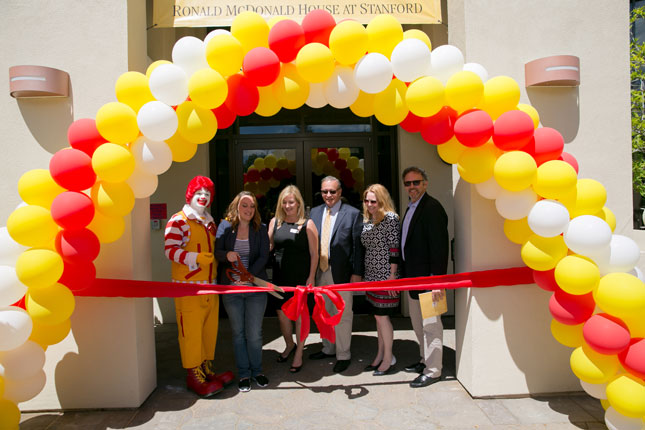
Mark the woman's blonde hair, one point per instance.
(233, 211)
(279, 212)
(384, 200)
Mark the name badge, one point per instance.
(294, 230)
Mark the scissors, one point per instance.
(240, 271)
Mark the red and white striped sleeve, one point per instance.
(176, 236)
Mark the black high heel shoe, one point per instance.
(295, 369)
(371, 368)
(387, 371)
(281, 358)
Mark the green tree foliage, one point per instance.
(637, 68)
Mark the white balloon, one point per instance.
(478, 69)
(152, 156)
(21, 390)
(597, 391)
(587, 235)
(316, 98)
(157, 121)
(15, 327)
(341, 89)
(489, 189)
(10, 250)
(214, 33)
(621, 255)
(22, 362)
(410, 59)
(11, 289)
(169, 84)
(189, 54)
(143, 184)
(548, 218)
(515, 205)
(638, 273)
(446, 60)
(617, 421)
(373, 73)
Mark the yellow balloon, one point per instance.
(258, 163)
(593, 367)
(290, 89)
(389, 105)
(252, 187)
(50, 305)
(182, 150)
(636, 325)
(384, 33)
(37, 187)
(1, 388)
(352, 162)
(591, 197)
(626, 394)
(530, 111)
(515, 170)
(418, 34)
(270, 161)
(604, 403)
(107, 229)
(464, 90)
(39, 268)
(292, 167)
(9, 415)
(251, 30)
(451, 151)
(224, 54)
(543, 253)
(315, 62)
(425, 96)
(113, 163)
(274, 183)
(117, 123)
(358, 174)
(476, 165)
(113, 199)
(344, 153)
(32, 226)
(269, 104)
(363, 106)
(608, 216)
(197, 125)
(348, 42)
(621, 295)
(207, 88)
(517, 231)
(577, 274)
(154, 65)
(282, 163)
(132, 89)
(501, 94)
(555, 179)
(45, 335)
(567, 335)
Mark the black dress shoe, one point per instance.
(424, 381)
(341, 365)
(370, 368)
(320, 355)
(387, 371)
(415, 368)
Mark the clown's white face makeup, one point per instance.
(200, 201)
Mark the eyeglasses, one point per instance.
(416, 182)
(367, 201)
(332, 192)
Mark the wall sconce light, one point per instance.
(554, 71)
(37, 81)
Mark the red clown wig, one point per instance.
(196, 184)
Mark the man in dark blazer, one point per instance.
(339, 230)
(424, 246)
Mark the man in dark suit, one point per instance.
(424, 246)
(341, 261)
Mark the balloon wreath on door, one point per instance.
(560, 221)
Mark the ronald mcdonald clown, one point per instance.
(189, 239)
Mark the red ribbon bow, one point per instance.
(297, 307)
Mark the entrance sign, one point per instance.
(220, 13)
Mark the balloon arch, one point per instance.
(598, 300)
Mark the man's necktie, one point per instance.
(324, 242)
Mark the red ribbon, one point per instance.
(296, 307)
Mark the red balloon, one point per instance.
(570, 309)
(286, 38)
(332, 154)
(323, 150)
(83, 135)
(317, 26)
(412, 123)
(473, 128)
(546, 280)
(266, 174)
(606, 334)
(80, 245)
(78, 276)
(438, 129)
(262, 66)
(20, 303)
(225, 118)
(72, 210)
(340, 164)
(513, 130)
(243, 97)
(565, 156)
(347, 178)
(72, 169)
(633, 357)
(253, 175)
(547, 144)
